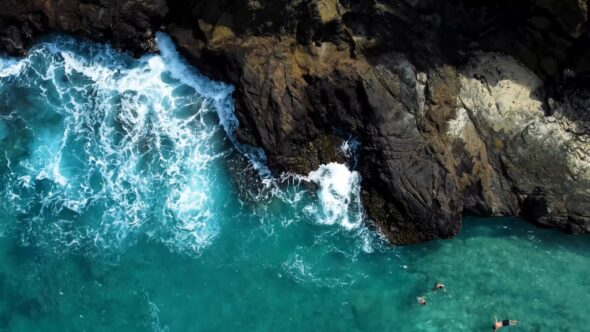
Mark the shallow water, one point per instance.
(127, 205)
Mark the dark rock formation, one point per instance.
(446, 127)
(127, 24)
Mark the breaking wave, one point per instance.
(338, 196)
(110, 147)
(99, 149)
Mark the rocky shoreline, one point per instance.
(462, 107)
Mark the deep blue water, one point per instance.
(127, 205)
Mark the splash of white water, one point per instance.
(338, 195)
(111, 137)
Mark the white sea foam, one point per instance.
(218, 92)
(338, 196)
(132, 155)
(154, 314)
(10, 67)
(350, 147)
(128, 137)
(306, 266)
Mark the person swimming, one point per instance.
(507, 322)
(439, 285)
(421, 300)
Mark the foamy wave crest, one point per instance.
(338, 202)
(109, 148)
(218, 93)
(10, 67)
(328, 196)
(338, 196)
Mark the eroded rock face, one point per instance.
(544, 160)
(448, 125)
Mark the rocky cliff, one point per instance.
(461, 106)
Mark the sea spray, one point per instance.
(219, 93)
(338, 196)
(350, 149)
(116, 148)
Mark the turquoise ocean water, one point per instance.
(126, 205)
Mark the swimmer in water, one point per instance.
(507, 322)
(421, 300)
(439, 285)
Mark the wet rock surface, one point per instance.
(461, 107)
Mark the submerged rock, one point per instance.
(477, 107)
